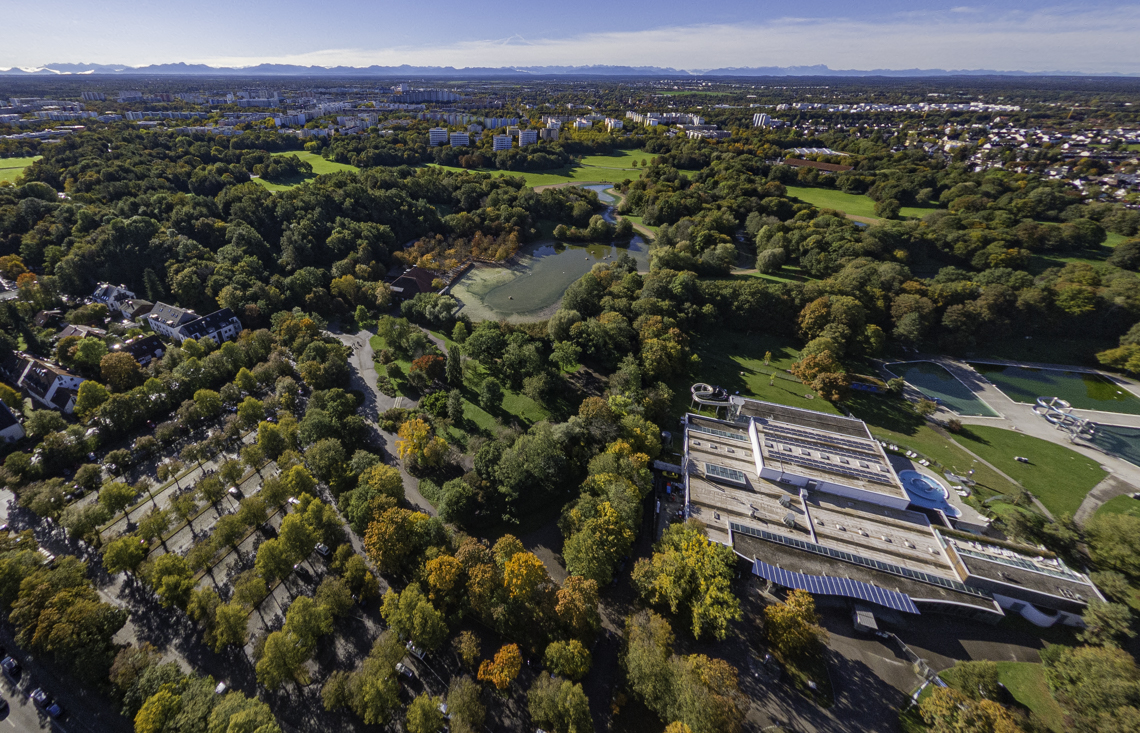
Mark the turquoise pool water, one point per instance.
(942, 387)
(1118, 441)
(1082, 390)
(926, 492)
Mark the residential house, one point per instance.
(167, 319)
(144, 349)
(133, 308)
(221, 326)
(80, 331)
(10, 428)
(413, 282)
(48, 384)
(110, 295)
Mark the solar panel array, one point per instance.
(817, 437)
(728, 474)
(719, 433)
(828, 585)
(867, 562)
(864, 474)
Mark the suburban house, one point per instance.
(167, 319)
(111, 295)
(144, 349)
(132, 308)
(80, 331)
(413, 282)
(220, 326)
(10, 428)
(50, 385)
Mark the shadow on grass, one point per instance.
(887, 413)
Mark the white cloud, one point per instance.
(1096, 39)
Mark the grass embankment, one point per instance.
(1121, 505)
(1060, 478)
(1025, 682)
(11, 168)
(614, 168)
(852, 204)
(320, 167)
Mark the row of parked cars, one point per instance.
(38, 696)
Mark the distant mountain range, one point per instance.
(405, 71)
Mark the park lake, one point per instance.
(531, 285)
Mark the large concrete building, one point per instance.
(501, 142)
(437, 136)
(813, 502)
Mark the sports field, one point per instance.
(320, 167)
(12, 167)
(614, 168)
(849, 203)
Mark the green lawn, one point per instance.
(10, 168)
(1112, 240)
(1121, 505)
(735, 361)
(1060, 478)
(320, 167)
(890, 419)
(1026, 683)
(850, 203)
(599, 168)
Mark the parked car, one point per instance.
(323, 549)
(415, 650)
(403, 669)
(44, 702)
(11, 667)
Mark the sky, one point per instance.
(1012, 35)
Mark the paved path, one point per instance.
(1021, 417)
(1110, 488)
(363, 378)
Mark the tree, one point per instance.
(464, 706)
(455, 407)
(559, 705)
(208, 402)
(230, 626)
(577, 607)
(1106, 623)
(308, 619)
(976, 680)
(211, 489)
(123, 554)
(116, 497)
(250, 412)
(273, 560)
(159, 709)
(42, 422)
(687, 572)
(424, 715)
(418, 444)
(525, 578)
(88, 353)
(412, 615)
(444, 578)
(91, 396)
(121, 371)
(567, 659)
(253, 457)
(283, 659)
(467, 647)
(1114, 542)
(334, 596)
(566, 355)
(454, 368)
(949, 710)
(490, 395)
(229, 530)
(594, 550)
(326, 459)
(153, 525)
(172, 580)
(296, 537)
(236, 713)
(793, 626)
(120, 458)
(503, 669)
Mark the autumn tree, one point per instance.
(793, 626)
(559, 705)
(503, 669)
(567, 659)
(412, 615)
(120, 370)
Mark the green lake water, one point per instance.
(942, 386)
(1082, 390)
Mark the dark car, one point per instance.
(11, 667)
(44, 702)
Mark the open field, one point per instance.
(10, 168)
(1121, 505)
(320, 167)
(592, 168)
(849, 203)
(1026, 683)
(1057, 476)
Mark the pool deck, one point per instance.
(968, 514)
(1021, 417)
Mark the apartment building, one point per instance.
(460, 139)
(501, 142)
(528, 137)
(437, 136)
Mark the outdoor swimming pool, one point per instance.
(1118, 441)
(926, 492)
(1082, 390)
(942, 387)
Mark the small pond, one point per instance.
(942, 387)
(531, 287)
(1082, 390)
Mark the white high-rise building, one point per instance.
(761, 120)
(528, 137)
(437, 135)
(460, 139)
(501, 142)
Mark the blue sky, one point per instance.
(1090, 37)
